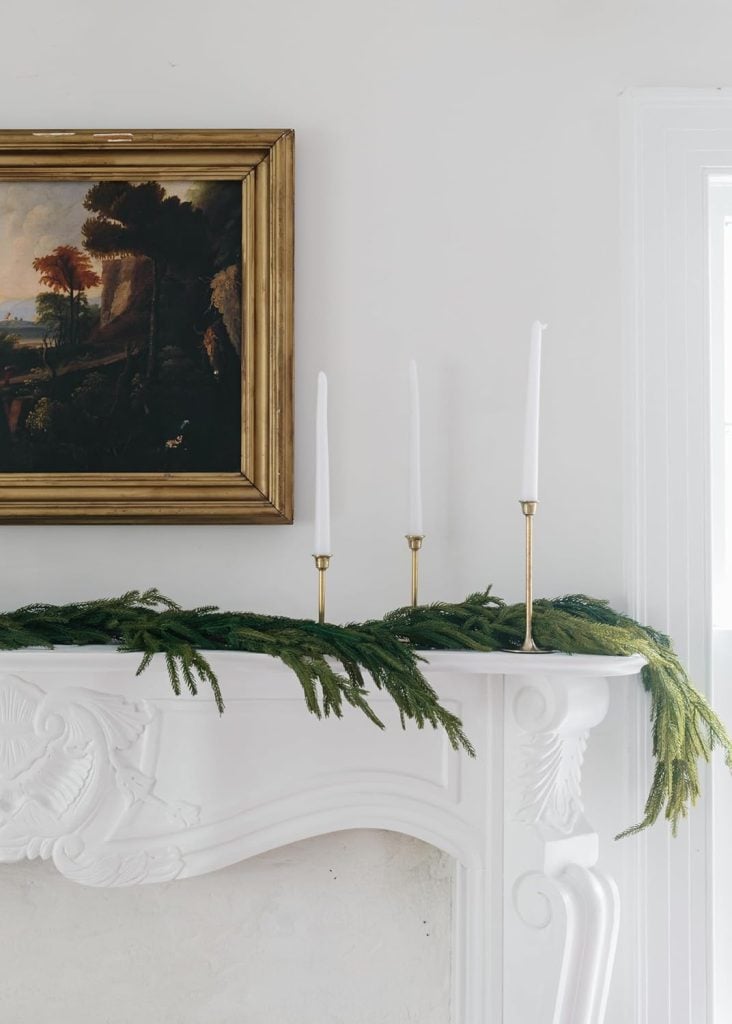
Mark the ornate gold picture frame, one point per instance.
(146, 322)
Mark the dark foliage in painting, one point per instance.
(132, 362)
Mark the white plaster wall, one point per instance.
(309, 934)
(457, 177)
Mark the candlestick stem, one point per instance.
(529, 510)
(321, 564)
(415, 543)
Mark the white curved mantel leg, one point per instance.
(118, 782)
(561, 914)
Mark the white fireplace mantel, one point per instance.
(119, 782)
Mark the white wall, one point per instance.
(457, 177)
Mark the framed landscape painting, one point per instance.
(146, 305)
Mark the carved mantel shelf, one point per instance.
(119, 782)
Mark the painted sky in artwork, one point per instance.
(35, 217)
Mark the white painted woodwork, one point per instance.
(674, 142)
(119, 782)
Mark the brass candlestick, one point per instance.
(415, 543)
(529, 510)
(321, 564)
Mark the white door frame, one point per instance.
(672, 140)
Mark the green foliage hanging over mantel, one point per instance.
(335, 664)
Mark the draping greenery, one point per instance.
(336, 665)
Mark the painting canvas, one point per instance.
(120, 326)
(146, 321)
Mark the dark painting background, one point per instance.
(120, 327)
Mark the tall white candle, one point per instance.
(322, 471)
(530, 480)
(416, 528)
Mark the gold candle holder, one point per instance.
(529, 510)
(415, 543)
(321, 564)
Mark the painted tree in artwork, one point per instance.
(69, 272)
(142, 220)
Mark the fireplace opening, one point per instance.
(347, 927)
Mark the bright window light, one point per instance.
(720, 277)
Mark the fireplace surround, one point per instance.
(118, 782)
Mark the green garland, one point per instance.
(384, 652)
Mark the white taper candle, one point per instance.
(416, 528)
(322, 471)
(530, 480)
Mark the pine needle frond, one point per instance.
(335, 665)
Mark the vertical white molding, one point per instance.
(672, 140)
(477, 949)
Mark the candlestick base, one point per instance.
(321, 564)
(531, 649)
(529, 645)
(414, 540)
